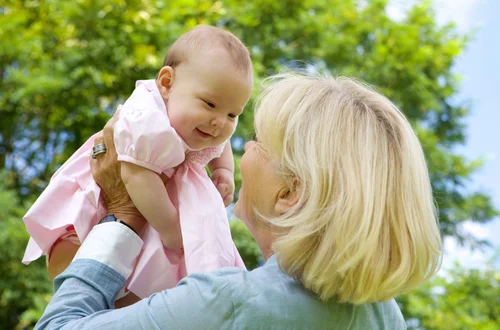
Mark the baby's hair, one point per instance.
(203, 36)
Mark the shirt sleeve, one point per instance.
(145, 137)
(114, 245)
(86, 290)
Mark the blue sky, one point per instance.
(479, 67)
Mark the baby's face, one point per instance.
(207, 96)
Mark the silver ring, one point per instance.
(98, 149)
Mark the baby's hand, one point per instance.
(223, 180)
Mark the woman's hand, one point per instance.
(106, 172)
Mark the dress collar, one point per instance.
(152, 87)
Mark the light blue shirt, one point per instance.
(228, 298)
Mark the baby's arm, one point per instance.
(222, 169)
(225, 161)
(148, 192)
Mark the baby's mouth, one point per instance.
(203, 134)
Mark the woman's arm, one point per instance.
(86, 290)
(147, 191)
(61, 256)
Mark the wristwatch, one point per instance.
(112, 218)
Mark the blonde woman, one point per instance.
(337, 196)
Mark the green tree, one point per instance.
(464, 299)
(246, 245)
(20, 287)
(65, 65)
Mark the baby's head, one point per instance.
(206, 81)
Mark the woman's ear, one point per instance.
(288, 197)
(165, 80)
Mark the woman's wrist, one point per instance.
(127, 213)
(134, 221)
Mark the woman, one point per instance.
(337, 196)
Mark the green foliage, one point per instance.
(465, 299)
(20, 286)
(65, 65)
(31, 316)
(246, 244)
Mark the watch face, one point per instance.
(108, 218)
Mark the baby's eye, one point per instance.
(232, 115)
(210, 104)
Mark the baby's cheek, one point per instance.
(234, 125)
(230, 128)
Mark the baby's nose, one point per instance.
(218, 122)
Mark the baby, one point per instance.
(174, 125)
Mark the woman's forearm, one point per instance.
(86, 290)
(92, 281)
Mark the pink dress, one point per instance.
(143, 136)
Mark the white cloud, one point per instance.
(397, 8)
(462, 12)
(490, 156)
(453, 252)
(476, 229)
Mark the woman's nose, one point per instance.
(247, 145)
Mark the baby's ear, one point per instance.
(165, 80)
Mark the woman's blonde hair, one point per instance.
(365, 227)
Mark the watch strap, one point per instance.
(112, 218)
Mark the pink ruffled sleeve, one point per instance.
(146, 138)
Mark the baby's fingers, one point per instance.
(228, 199)
(222, 188)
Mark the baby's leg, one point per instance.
(60, 257)
(62, 254)
(128, 300)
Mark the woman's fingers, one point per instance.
(108, 131)
(105, 166)
(94, 163)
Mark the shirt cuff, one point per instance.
(114, 245)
